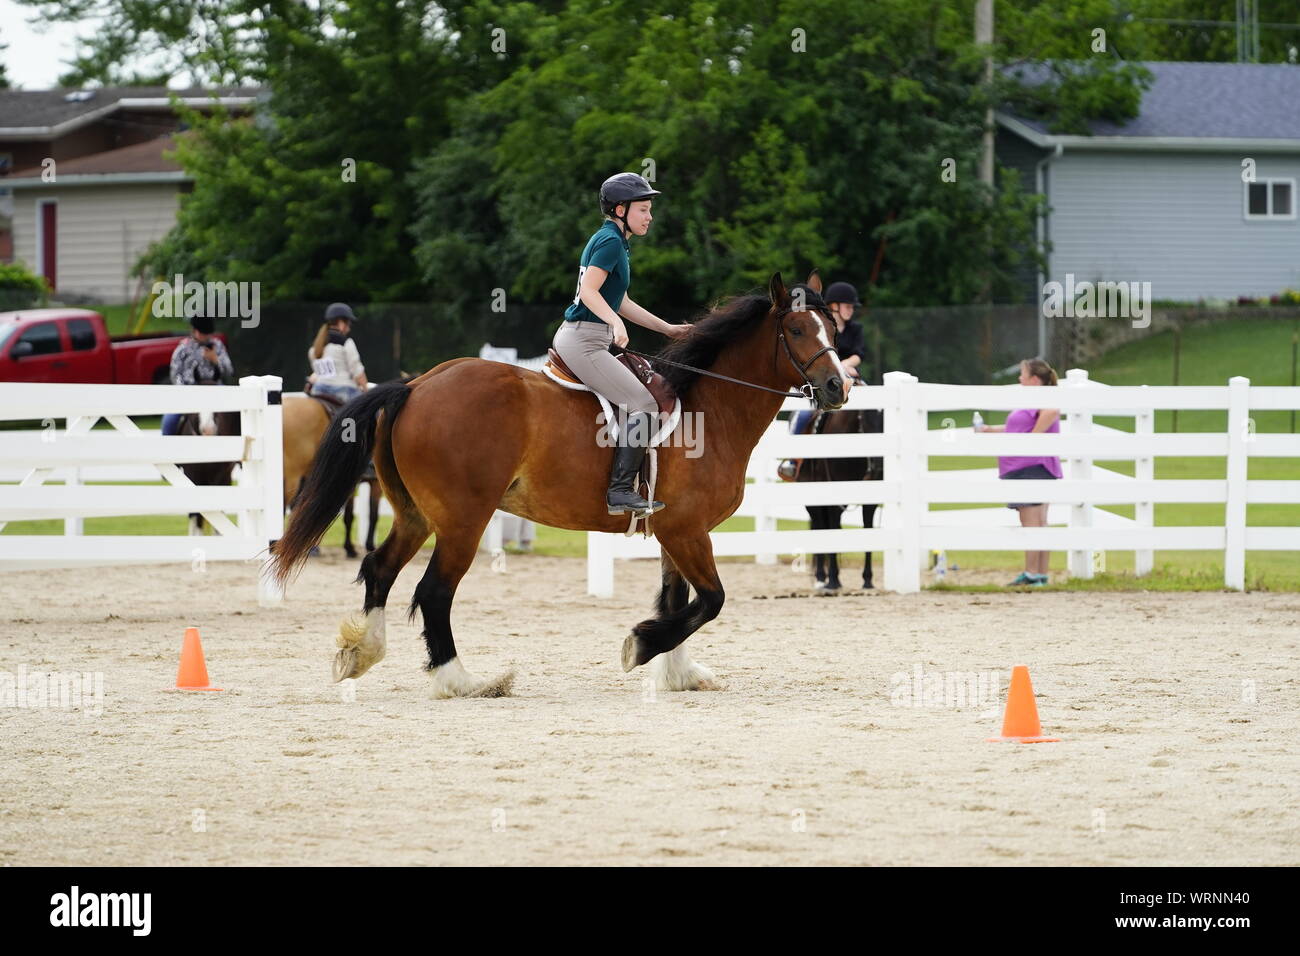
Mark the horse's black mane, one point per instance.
(714, 329)
(708, 336)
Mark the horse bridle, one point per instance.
(808, 390)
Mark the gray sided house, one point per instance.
(1166, 198)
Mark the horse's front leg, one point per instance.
(815, 523)
(688, 563)
(868, 522)
(833, 523)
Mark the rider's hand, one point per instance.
(620, 334)
(677, 331)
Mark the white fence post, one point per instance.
(493, 540)
(265, 467)
(74, 527)
(1079, 423)
(904, 419)
(1234, 512)
(600, 564)
(764, 519)
(1144, 469)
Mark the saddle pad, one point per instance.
(659, 438)
(655, 384)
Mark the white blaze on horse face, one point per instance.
(824, 339)
(207, 423)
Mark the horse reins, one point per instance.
(808, 390)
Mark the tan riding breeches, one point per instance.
(584, 346)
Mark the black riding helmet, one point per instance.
(841, 292)
(624, 188)
(339, 310)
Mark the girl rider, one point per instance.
(595, 321)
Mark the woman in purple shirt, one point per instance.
(1032, 372)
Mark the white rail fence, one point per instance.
(129, 456)
(909, 529)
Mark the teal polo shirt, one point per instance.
(607, 250)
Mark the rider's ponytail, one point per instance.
(318, 343)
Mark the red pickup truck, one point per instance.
(73, 345)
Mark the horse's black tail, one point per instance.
(342, 456)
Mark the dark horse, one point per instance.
(472, 436)
(859, 421)
(208, 472)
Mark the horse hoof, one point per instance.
(350, 552)
(345, 664)
(633, 654)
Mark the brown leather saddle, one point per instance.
(664, 396)
(331, 403)
(657, 385)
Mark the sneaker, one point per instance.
(1037, 580)
(1021, 580)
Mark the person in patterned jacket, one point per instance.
(201, 359)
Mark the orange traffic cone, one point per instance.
(193, 672)
(1020, 725)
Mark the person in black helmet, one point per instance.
(335, 361)
(594, 321)
(850, 340)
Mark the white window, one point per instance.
(1270, 199)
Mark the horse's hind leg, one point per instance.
(347, 526)
(452, 557)
(675, 670)
(374, 515)
(362, 639)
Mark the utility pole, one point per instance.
(984, 38)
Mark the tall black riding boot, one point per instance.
(632, 440)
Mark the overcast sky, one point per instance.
(36, 55)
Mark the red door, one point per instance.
(49, 216)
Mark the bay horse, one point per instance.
(304, 421)
(471, 436)
(862, 421)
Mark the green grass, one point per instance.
(1211, 354)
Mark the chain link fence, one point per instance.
(961, 345)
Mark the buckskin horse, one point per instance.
(304, 420)
(471, 436)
